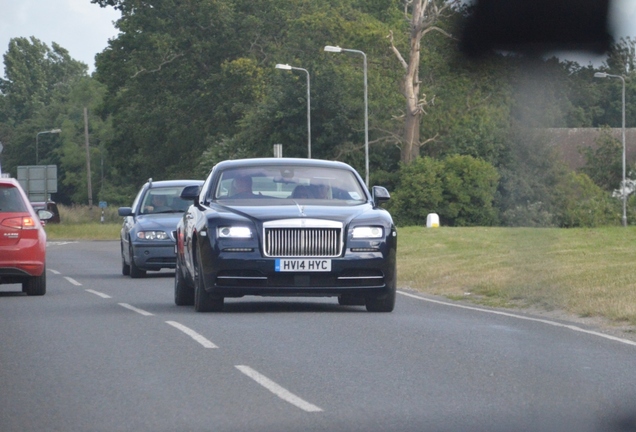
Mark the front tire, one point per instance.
(135, 272)
(35, 285)
(125, 268)
(203, 301)
(183, 291)
(384, 302)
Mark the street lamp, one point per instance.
(288, 67)
(337, 49)
(623, 192)
(37, 136)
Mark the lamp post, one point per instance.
(288, 67)
(337, 49)
(37, 136)
(623, 192)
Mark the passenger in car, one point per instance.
(320, 191)
(301, 191)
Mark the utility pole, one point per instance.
(88, 161)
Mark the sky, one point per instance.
(81, 27)
(84, 28)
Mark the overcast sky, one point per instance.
(81, 27)
(84, 28)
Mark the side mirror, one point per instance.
(44, 215)
(190, 193)
(125, 211)
(380, 195)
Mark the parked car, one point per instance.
(283, 226)
(50, 206)
(22, 240)
(147, 234)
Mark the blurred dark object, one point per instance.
(537, 26)
(50, 206)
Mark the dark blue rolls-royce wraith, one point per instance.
(285, 227)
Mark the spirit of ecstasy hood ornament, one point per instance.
(301, 209)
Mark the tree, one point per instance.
(208, 79)
(530, 172)
(603, 163)
(621, 59)
(33, 71)
(46, 89)
(423, 16)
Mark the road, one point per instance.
(103, 352)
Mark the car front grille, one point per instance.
(303, 238)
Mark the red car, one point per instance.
(22, 240)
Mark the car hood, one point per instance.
(344, 214)
(167, 221)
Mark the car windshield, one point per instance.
(164, 200)
(290, 183)
(11, 200)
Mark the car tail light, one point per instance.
(24, 222)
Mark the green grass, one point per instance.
(84, 223)
(586, 272)
(83, 231)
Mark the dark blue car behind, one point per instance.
(147, 234)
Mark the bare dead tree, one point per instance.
(423, 16)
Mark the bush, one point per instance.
(460, 189)
(419, 192)
(469, 186)
(529, 176)
(579, 202)
(534, 214)
(603, 164)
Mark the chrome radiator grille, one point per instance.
(303, 238)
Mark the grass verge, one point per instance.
(83, 231)
(80, 222)
(586, 272)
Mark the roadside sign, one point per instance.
(38, 181)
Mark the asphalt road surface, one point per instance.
(103, 352)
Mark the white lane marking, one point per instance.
(134, 309)
(521, 317)
(73, 281)
(97, 293)
(59, 243)
(54, 271)
(194, 335)
(279, 391)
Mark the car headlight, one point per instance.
(152, 235)
(362, 232)
(234, 232)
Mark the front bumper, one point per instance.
(153, 256)
(236, 275)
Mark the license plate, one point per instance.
(303, 265)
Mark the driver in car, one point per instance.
(242, 187)
(159, 204)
